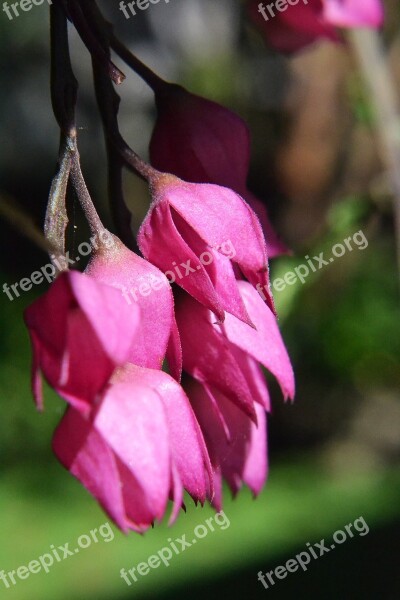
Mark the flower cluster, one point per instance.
(135, 435)
(167, 395)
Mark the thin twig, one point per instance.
(107, 98)
(92, 44)
(154, 81)
(79, 185)
(56, 219)
(64, 86)
(373, 61)
(24, 224)
(64, 91)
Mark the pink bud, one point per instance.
(227, 356)
(141, 285)
(141, 446)
(80, 331)
(306, 21)
(237, 446)
(203, 142)
(186, 233)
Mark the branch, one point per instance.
(379, 79)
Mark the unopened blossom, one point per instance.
(141, 284)
(80, 330)
(140, 447)
(227, 356)
(301, 24)
(189, 226)
(203, 142)
(237, 446)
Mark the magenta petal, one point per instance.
(254, 376)
(207, 353)
(300, 25)
(176, 494)
(354, 13)
(162, 244)
(225, 285)
(36, 379)
(132, 421)
(202, 206)
(203, 142)
(255, 470)
(264, 343)
(82, 451)
(199, 140)
(107, 312)
(243, 456)
(80, 330)
(188, 450)
(174, 352)
(139, 285)
(217, 265)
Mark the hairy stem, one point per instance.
(79, 185)
(56, 219)
(64, 91)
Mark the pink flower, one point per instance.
(80, 331)
(201, 141)
(354, 13)
(142, 285)
(236, 445)
(186, 233)
(84, 327)
(141, 446)
(301, 24)
(226, 357)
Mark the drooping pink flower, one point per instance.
(201, 141)
(145, 286)
(80, 331)
(121, 310)
(227, 356)
(186, 233)
(299, 24)
(141, 446)
(354, 13)
(236, 445)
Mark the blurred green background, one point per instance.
(334, 453)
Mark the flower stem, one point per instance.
(56, 219)
(154, 81)
(373, 62)
(92, 44)
(64, 86)
(78, 182)
(23, 223)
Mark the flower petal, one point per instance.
(264, 343)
